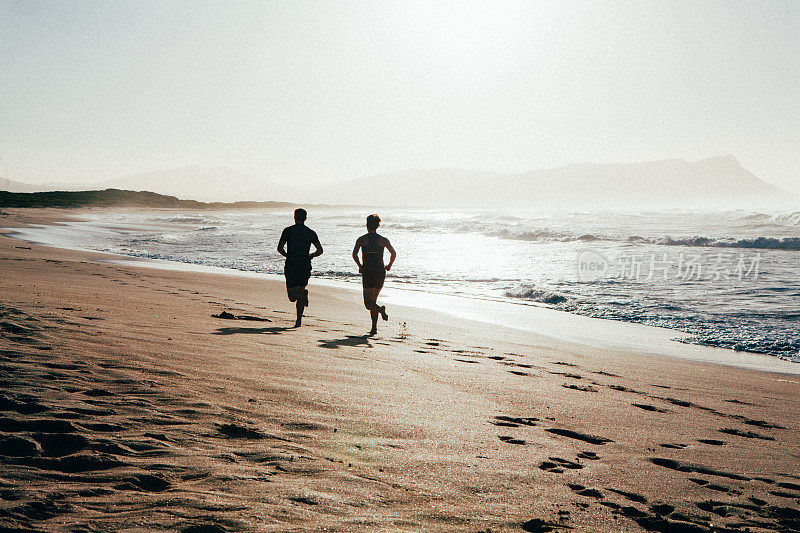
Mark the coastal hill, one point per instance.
(717, 182)
(118, 198)
(204, 184)
(18, 186)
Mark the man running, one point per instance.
(373, 271)
(295, 245)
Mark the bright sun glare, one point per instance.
(458, 33)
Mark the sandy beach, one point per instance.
(127, 406)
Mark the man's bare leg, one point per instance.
(299, 305)
(300, 298)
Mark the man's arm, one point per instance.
(392, 254)
(282, 244)
(355, 253)
(317, 248)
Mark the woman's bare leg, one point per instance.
(381, 308)
(370, 295)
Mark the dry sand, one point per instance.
(126, 405)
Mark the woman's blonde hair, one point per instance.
(373, 221)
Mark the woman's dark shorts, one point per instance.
(373, 279)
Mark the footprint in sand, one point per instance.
(688, 467)
(648, 407)
(662, 509)
(566, 374)
(712, 442)
(720, 488)
(580, 490)
(589, 455)
(784, 494)
(303, 426)
(556, 465)
(540, 526)
(585, 437)
(235, 431)
(632, 496)
(510, 421)
(582, 388)
(620, 388)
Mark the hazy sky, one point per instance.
(321, 90)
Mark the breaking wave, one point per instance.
(789, 218)
(761, 243)
(530, 292)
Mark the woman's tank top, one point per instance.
(373, 253)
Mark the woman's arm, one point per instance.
(355, 253)
(392, 255)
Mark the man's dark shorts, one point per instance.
(296, 279)
(373, 279)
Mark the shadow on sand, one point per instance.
(347, 340)
(274, 330)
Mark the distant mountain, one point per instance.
(719, 182)
(118, 198)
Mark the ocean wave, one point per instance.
(548, 235)
(529, 235)
(407, 227)
(756, 216)
(338, 274)
(795, 358)
(789, 218)
(761, 243)
(182, 220)
(530, 292)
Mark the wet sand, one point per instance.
(125, 404)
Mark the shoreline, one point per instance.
(127, 405)
(538, 319)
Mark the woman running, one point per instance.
(372, 269)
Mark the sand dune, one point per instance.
(126, 405)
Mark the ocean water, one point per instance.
(728, 279)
